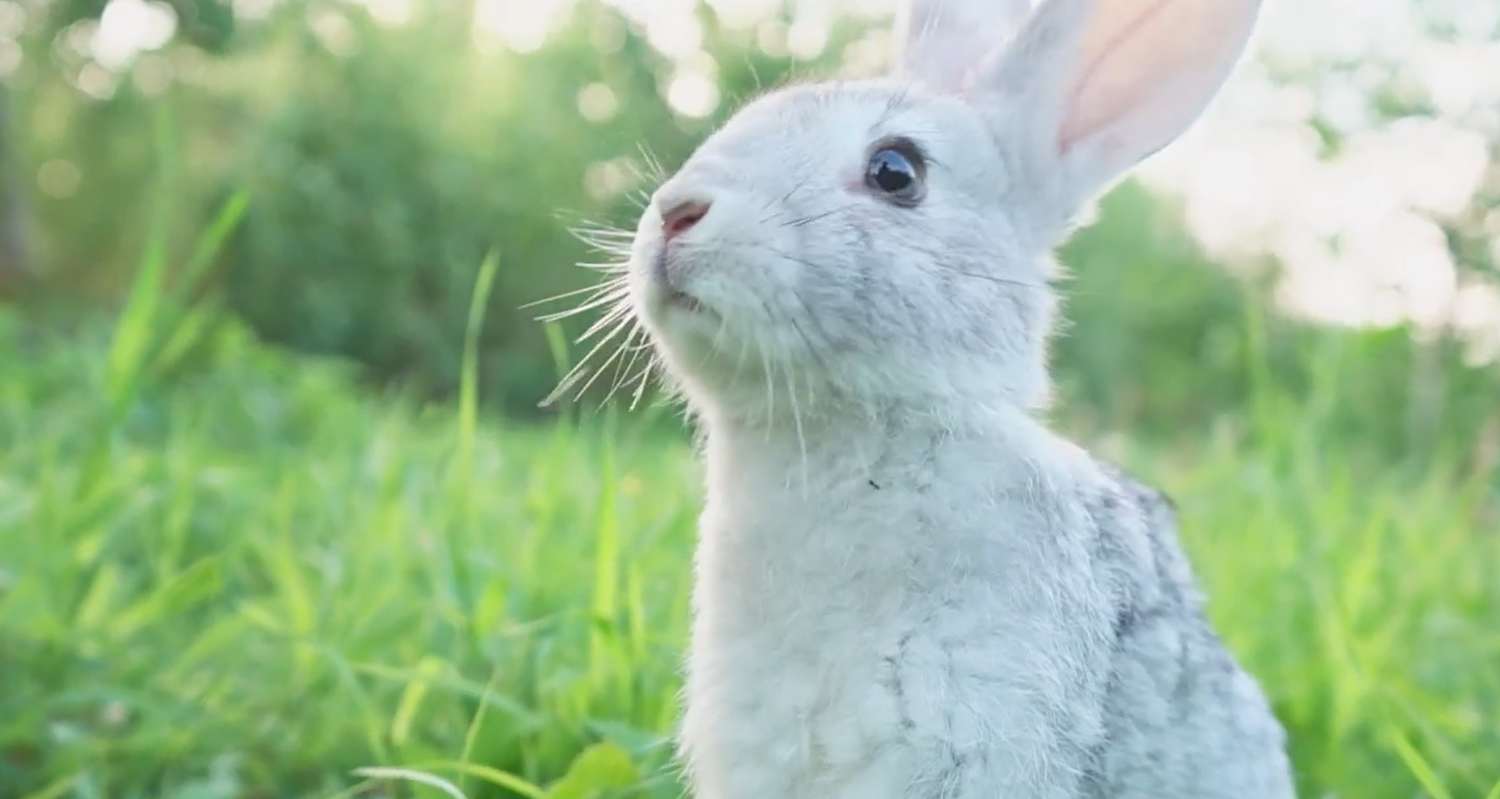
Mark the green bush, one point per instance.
(384, 164)
(1160, 341)
(384, 176)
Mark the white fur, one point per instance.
(941, 38)
(907, 588)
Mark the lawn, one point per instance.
(227, 570)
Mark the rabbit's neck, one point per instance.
(802, 471)
(849, 518)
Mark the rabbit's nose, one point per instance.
(682, 217)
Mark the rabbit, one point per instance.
(906, 586)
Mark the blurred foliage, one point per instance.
(1159, 341)
(386, 174)
(385, 161)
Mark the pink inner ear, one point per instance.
(1107, 85)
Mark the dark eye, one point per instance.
(896, 171)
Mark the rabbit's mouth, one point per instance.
(686, 302)
(671, 296)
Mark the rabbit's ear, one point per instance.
(945, 41)
(1113, 81)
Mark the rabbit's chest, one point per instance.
(792, 716)
(855, 668)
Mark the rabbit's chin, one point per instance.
(677, 318)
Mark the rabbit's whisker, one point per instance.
(628, 348)
(609, 287)
(589, 232)
(739, 364)
(765, 367)
(613, 268)
(612, 250)
(785, 198)
(791, 388)
(618, 315)
(610, 295)
(611, 360)
(652, 162)
(812, 351)
(640, 388)
(623, 370)
(808, 220)
(615, 244)
(993, 279)
(582, 368)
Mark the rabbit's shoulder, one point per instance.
(1136, 547)
(1182, 718)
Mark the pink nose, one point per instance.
(680, 219)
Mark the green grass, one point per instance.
(258, 580)
(229, 571)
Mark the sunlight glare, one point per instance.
(392, 13)
(693, 94)
(520, 25)
(1357, 230)
(130, 27)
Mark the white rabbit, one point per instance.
(906, 586)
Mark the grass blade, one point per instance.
(493, 776)
(410, 775)
(211, 241)
(468, 393)
(461, 470)
(1418, 766)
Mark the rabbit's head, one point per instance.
(886, 244)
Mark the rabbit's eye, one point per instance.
(896, 171)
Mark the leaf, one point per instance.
(494, 776)
(600, 768)
(1419, 766)
(58, 789)
(410, 775)
(195, 584)
(411, 698)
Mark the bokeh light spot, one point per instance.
(693, 94)
(597, 103)
(58, 178)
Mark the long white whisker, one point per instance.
(594, 289)
(640, 389)
(603, 296)
(739, 363)
(601, 293)
(582, 366)
(598, 231)
(613, 243)
(765, 367)
(611, 297)
(608, 267)
(719, 335)
(620, 312)
(652, 162)
(626, 364)
(604, 367)
(791, 387)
